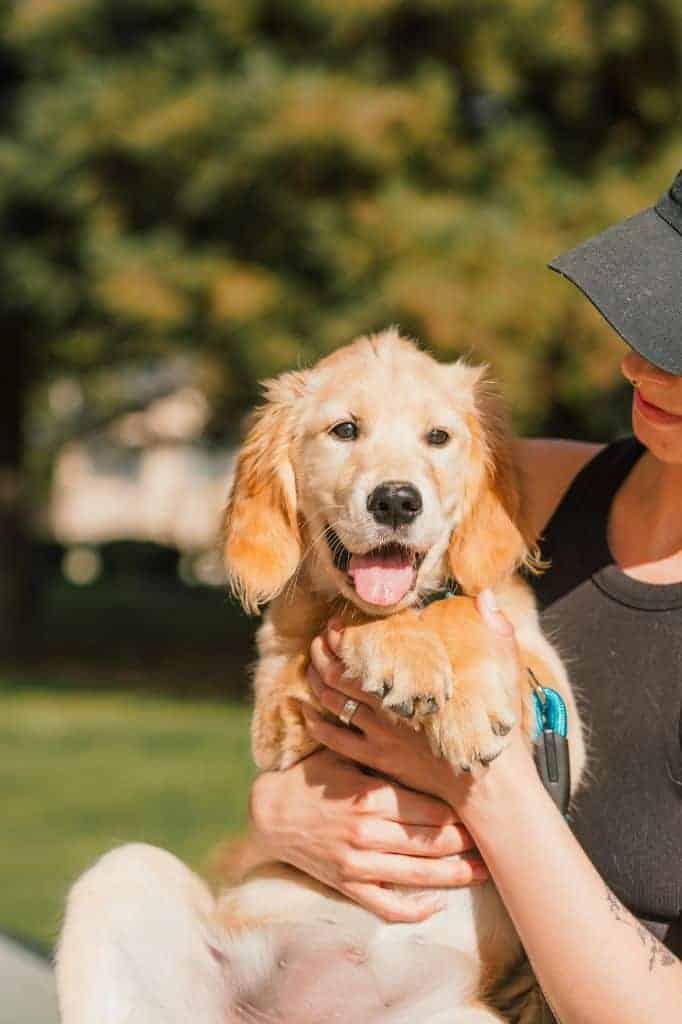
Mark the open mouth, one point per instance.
(382, 576)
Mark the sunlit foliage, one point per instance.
(259, 181)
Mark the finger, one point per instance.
(424, 872)
(394, 905)
(342, 687)
(332, 672)
(379, 797)
(335, 701)
(489, 610)
(393, 802)
(368, 833)
(499, 624)
(334, 634)
(344, 741)
(325, 661)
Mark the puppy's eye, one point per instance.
(346, 431)
(437, 437)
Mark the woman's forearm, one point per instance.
(587, 951)
(594, 962)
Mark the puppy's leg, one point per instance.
(402, 661)
(136, 944)
(279, 737)
(474, 725)
(440, 666)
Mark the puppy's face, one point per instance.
(382, 469)
(378, 470)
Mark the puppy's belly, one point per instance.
(302, 954)
(321, 973)
(474, 922)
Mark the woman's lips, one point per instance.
(653, 413)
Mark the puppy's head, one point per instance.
(381, 472)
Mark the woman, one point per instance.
(612, 528)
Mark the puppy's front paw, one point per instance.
(407, 668)
(476, 723)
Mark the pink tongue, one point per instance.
(381, 580)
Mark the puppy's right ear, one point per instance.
(261, 537)
(492, 541)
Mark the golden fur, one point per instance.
(294, 480)
(287, 489)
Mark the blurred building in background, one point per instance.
(146, 477)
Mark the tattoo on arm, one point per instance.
(656, 951)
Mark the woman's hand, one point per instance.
(389, 849)
(393, 748)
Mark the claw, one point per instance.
(500, 728)
(489, 757)
(428, 705)
(386, 687)
(405, 708)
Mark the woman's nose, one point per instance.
(636, 369)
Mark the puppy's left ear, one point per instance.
(261, 537)
(491, 542)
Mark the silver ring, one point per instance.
(348, 710)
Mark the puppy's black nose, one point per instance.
(394, 503)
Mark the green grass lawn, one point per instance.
(80, 773)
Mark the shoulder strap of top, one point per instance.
(598, 480)
(574, 542)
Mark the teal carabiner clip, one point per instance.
(550, 743)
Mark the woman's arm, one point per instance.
(593, 961)
(354, 832)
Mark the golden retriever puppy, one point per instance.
(364, 484)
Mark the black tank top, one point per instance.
(622, 642)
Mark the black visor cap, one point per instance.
(632, 273)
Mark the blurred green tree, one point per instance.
(260, 181)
